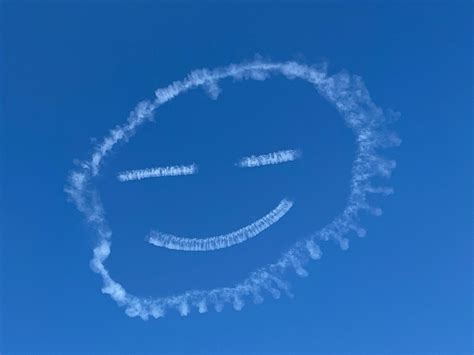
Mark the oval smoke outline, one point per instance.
(350, 97)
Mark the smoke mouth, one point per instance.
(173, 242)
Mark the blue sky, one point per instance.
(71, 72)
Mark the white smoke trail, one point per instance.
(170, 241)
(175, 170)
(279, 157)
(348, 95)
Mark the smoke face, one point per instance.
(345, 92)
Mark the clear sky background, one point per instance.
(72, 71)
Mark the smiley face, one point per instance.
(349, 96)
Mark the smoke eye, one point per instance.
(278, 157)
(160, 171)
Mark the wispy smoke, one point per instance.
(170, 241)
(279, 157)
(348, 95)
(176, 170)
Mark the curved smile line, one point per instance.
(173, 242)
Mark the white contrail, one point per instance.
(170, 241)
(348, 95)
(279, 157)
(175, 170)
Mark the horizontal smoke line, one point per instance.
(175, 170)
(173, 242)
(278, 157)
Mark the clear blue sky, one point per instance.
(70, 72)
